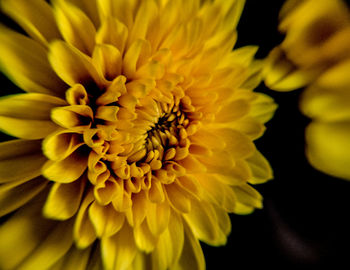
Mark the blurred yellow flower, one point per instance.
(316, 52)
(135, 136)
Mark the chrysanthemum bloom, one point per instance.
(316, 52)
(135, 136)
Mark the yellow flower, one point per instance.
(135, 136)
(316, 52)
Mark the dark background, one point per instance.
(304, 223)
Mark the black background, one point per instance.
(304, 223)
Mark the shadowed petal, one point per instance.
(35, 17)
(20, 160)
(19, 54)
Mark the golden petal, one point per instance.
(247, 199)
(21, 230)
(70, 21)
(202, 220)
(260, 167)
(84, 232)
(64, 200)
(170, 243)
(122, 10)
(146, 12)
(66, 170)
(158, 215)
(178, 199)
(72, 116)
(106, 220)
(19, 55)
(144, 239)
(107, 60)
(119, 251)
(192, 255)
(112, 32)
(73, 66)
(20, 160)
(138, 52)
(52, 248)
(74, 259)
(327, 147)
(13, 195)
(62, 143)
(35, 17)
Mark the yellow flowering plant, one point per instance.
(134, 139)
(315, 53)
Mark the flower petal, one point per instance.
(28, 115)
(50, 250)
(107, 60)
(282, 75)
(123, 10)
(106, 220)
(326, 103)
(238, 144)
(35, 17)
(75, 259)
(64, 200)
(327, 147)
(71, 20)
(26, 128)
(66, 170)
(62, 143)
(21, 230)
(20, 160)
(73, 116)
(113, 32)
(143, 19)
(13, 195)
(119, 251)
(260, 167)
(263, 108)
(84, 233)
(144, 239)
(71, 65)
(192, 255)
(158, 217)
(178, 198)
(247, 199)
(203, 222)
(29, 106)
(19, 54)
